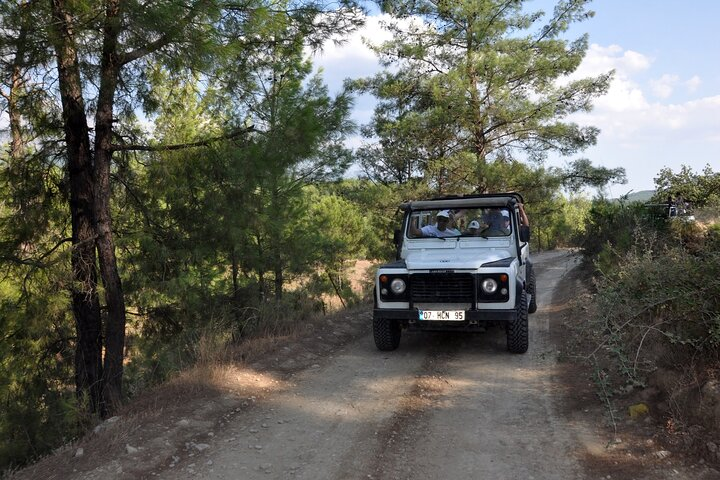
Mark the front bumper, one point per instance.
(474, 319)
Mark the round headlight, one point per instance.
(397, 286)
(489, 285)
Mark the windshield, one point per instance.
(467, 222)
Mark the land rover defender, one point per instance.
(463, 263)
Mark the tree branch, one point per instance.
(34, 262)
(180, 146)
(164, 40)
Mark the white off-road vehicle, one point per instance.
(462, 263)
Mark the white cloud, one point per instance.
(663, 87)
(603, 59)
(627, 118)
(624, 93)
(688, 122)
(354, 48)
(352, 58)
(641, 130)
(622, 96)
(693, 84)
(354, 51)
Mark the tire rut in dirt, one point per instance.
(395, 439)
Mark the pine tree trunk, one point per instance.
(16, 143)
(236, 286)
(114, 298)
(279, 280)
(478, 132)
(85, 301)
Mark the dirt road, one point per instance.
(440, 407)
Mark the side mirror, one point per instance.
(524, 233)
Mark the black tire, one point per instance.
(531, 288)
(387, 333)
(518, 330)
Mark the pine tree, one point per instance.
(103, 54)
(475, 82)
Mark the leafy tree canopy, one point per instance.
(700, 188)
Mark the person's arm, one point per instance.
(455, 218)
(523, 216)
(414, 230)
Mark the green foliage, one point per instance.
(339, 227)
(582, 173)
(658, 289)
(39, 406)
(198, 230)
(611, 228)
(655, 307)
(713, 237)
(475, 82)
(379, 206)
(700, 189)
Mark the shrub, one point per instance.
(659, 310)
(689, 234)
(713, 238)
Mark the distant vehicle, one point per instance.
(670, 210)
(462, 263)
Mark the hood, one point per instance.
(465, 258)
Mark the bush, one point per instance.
(38, 406)
(611, 229)
(659, 310)
(713, 238)
(689, 234)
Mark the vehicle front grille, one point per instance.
(441, 287)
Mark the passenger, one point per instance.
(523, 217)
(473, 228)
(495, 225)
(441, 228)
(506, 220)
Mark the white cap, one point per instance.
(444, 213)
(474, 224)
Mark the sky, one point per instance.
(662, 108)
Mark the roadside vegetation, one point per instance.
(654, 326)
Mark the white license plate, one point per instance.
(442, 315)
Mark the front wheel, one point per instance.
(387, 333)
(518, 331)
(532, 288)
